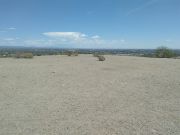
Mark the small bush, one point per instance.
(38, 54)
(164, 52)
(69, 53)
(101, 58)
(24, 55)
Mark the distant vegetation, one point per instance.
(160, 52)
(164, 52)
(24, 55)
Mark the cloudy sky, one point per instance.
(90, 23)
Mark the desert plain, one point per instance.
(61, 95)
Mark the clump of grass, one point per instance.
(24, 55)
(164, 52)
(101, 58)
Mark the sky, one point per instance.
(123, 24)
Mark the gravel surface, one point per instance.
(61, 95)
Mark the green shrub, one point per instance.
(24, 55)
(164, 52)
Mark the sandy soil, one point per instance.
(61, 95)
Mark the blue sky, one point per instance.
(90, 23)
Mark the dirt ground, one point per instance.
(61, 95)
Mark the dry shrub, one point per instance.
(101, 58)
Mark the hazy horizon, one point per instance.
(86, 24)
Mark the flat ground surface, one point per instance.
(61, 95)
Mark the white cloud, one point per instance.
(11, 28)
(95, 37)
(80, 40)
(7, 29)
(8, 39)
(64, 39)
(168, 40)
(143, 6)
(122, 41)
(68, 35)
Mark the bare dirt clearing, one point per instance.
(54, 95)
